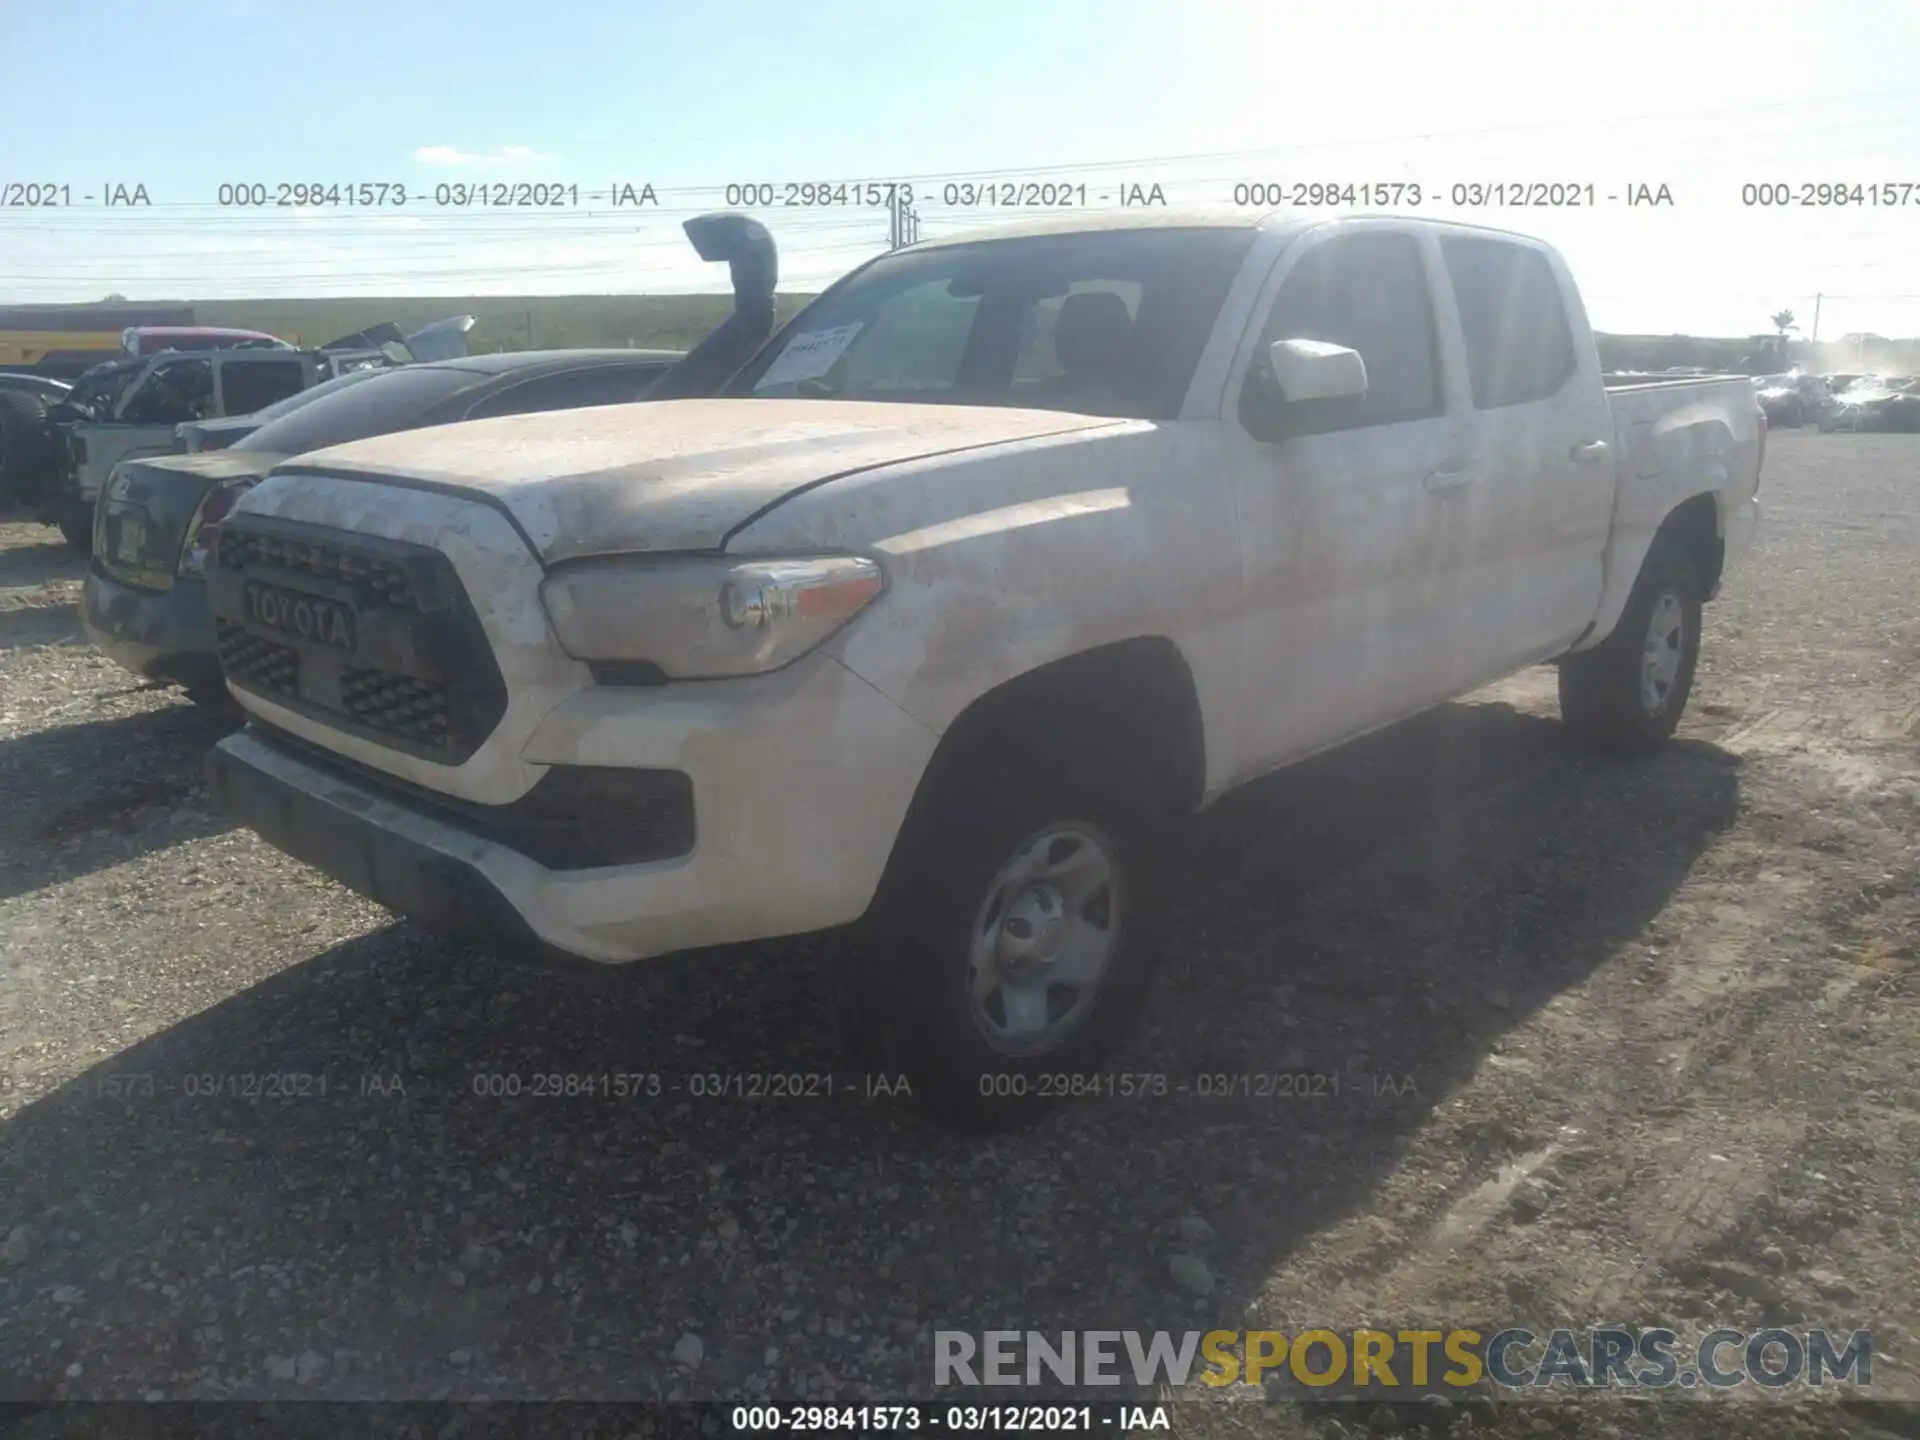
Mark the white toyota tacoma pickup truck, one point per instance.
(1001, 555)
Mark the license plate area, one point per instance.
(301, 616)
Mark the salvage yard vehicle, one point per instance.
(1794, 399)
(45, 386)
(1875, 402)
(144, 603)
(29, 457)
(136, 406)
(1005, 554)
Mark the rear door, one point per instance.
(1350, 538)
(1537, 496)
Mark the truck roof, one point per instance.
(1184, 217)
(1191, 217)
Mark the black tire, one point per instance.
(1602, 696)
(76, 524)
(905, 1001)
(213, 697)
(28, 448)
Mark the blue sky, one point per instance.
(1702, 96)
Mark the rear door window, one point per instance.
(1513, 317)
(250, 385)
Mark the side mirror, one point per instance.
(1316, 370)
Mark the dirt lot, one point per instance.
(1650, 1032)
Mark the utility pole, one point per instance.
(1814, 339)
(903, 221)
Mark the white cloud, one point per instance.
(451, 155)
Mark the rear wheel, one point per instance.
(1626, 695)
(1009, 945)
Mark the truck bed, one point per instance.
(1652, 380)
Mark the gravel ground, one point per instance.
(1616, 1043)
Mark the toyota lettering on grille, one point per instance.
(304, 617)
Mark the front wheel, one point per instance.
(1008, 947)
(1626, 695)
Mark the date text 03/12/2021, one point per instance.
(950, 1419)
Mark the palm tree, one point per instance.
(1783, 322)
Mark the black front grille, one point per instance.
(401, 704)
(421, 677)
(388, 581)
(253, 660)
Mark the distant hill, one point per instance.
(539, 322)
(506, 322)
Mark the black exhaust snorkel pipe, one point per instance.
(754, 264)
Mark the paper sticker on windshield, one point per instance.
(809, 356)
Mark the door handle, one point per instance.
(1448, 479)
(1587, 451)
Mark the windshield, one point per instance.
(95, 392)
(1108, 323)
(388, 400)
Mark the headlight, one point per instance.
(705, 618)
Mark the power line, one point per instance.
(714, 193)
(1528, 127)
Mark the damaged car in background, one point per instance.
(136, 406)
(1876, 402)
(1793, 399)
(145, 599)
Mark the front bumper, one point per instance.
(336, 831)
(799, 781)
(165, 635)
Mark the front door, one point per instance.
(1351, 539)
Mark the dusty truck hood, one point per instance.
(670, 474)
